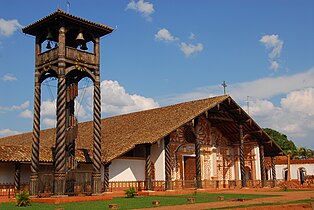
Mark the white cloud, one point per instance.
(259, 107)
(297, 124)
(263, 88)
(164, 35)
(9, 77)
(192, 36)
(26, 114)
(22, 106)
(274, 45)
(189, 49)
(8, 27)
(300, 101)
(7, 132)
(48, 108)
(115, 100)
(274, 65)
(50, 122)
(145, 8)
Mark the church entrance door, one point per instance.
(189, 172)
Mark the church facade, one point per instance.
(208, 143)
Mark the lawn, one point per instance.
(266, 204)
(131, 203)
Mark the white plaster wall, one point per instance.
(257, 163)
(158, 158)
(127, 170)
(279, 171)
(294, 170)
(7, 173)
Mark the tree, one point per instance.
(286, 145)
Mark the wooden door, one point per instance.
(189, 172)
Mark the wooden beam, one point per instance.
(221, 118)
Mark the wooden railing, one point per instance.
(70, 53)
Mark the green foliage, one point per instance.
(285, 188)
(130, 193)
(281, 139)
(23, 199)
(288, 146)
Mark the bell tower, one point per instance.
(68, 59)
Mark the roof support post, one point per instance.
(198, 173)
(17, 177)
(198, 184)
(273, 171)
(60, 152)
(97, 139)
(242, 163)
(35, 139)
(167, 163)
(106, 177)
(148, 168)
(262, 162)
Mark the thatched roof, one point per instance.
(122, 133)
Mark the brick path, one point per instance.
(286, 197)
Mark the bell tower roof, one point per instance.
(60, 16)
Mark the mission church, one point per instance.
(207, 143)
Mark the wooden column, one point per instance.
(97, 126)
(262, 163)
(106, 177)
(17, 177)
(35, 140)
(273, 170)
(148, 168)
(198, 164)
(60, 151)
(242, 163)
(289, 174)
(167, 163)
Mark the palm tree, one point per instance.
(309, 153)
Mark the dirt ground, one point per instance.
(286, 197)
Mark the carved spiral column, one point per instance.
(97, 140)
(242, 163)
(198, 163)
(148, 169)
(60, 152)
(262, 162)
(35, 141)
(17, 177)
(273, 170)
(106, 177)
(167, 163)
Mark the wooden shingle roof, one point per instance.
(121, 133)
(60, 15)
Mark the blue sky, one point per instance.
(166, 52)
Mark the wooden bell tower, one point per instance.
(68, 59)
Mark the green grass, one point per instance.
(131, 203)
(308, 201)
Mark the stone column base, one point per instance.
(96, 178)
(59, 183)
(33, 185)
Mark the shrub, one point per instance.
(23, 199)
(131, 192)
(285, 188)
